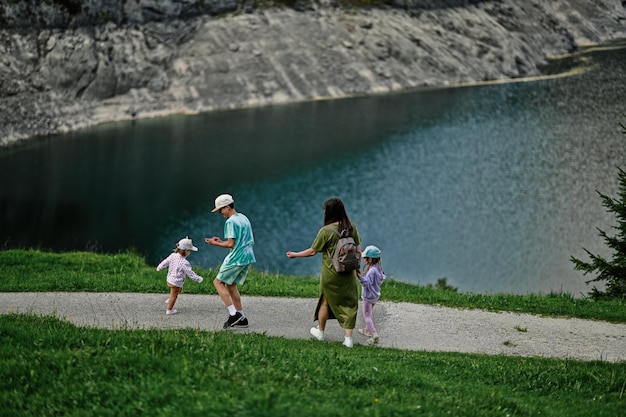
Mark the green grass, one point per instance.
(33, 270)
(50, 367)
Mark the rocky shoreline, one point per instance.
(74, 68)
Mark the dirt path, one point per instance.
(400, 325)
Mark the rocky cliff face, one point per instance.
(87, 62)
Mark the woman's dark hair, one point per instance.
(335, 211)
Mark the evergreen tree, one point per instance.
(614, 271)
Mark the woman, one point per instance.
(338, 291)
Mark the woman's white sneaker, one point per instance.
(317, 333)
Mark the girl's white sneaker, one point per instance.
(170, 312)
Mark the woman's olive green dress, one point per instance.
(340, 290)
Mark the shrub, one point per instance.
(613, 272)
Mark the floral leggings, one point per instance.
(367, 316)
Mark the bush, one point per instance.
(614, 271)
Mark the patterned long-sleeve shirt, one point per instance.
(178, 269)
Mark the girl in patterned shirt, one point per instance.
(178, 269)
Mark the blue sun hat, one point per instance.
(371, 251)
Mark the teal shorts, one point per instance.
(233, 274)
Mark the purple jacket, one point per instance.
(371, 283)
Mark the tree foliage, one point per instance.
(612, 272)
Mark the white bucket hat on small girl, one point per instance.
(222, 201)
(185, 244)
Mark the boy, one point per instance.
(234, 269)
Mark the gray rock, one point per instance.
(114, 60)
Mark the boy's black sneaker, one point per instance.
(241, 323)
(232, 320)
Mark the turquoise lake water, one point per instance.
(491, 186)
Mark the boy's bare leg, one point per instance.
(223, 292)
(235, 296)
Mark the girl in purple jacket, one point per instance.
(371, 279)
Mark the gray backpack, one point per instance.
(346, 257)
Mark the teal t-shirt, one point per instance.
(238, 227)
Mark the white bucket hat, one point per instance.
(185, 244)
(371, 251)
(222, 201)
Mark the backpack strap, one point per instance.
(337, 232)
(332, 229)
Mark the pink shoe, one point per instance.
(365, 332)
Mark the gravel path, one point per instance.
(400, 325)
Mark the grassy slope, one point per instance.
(52, 368)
